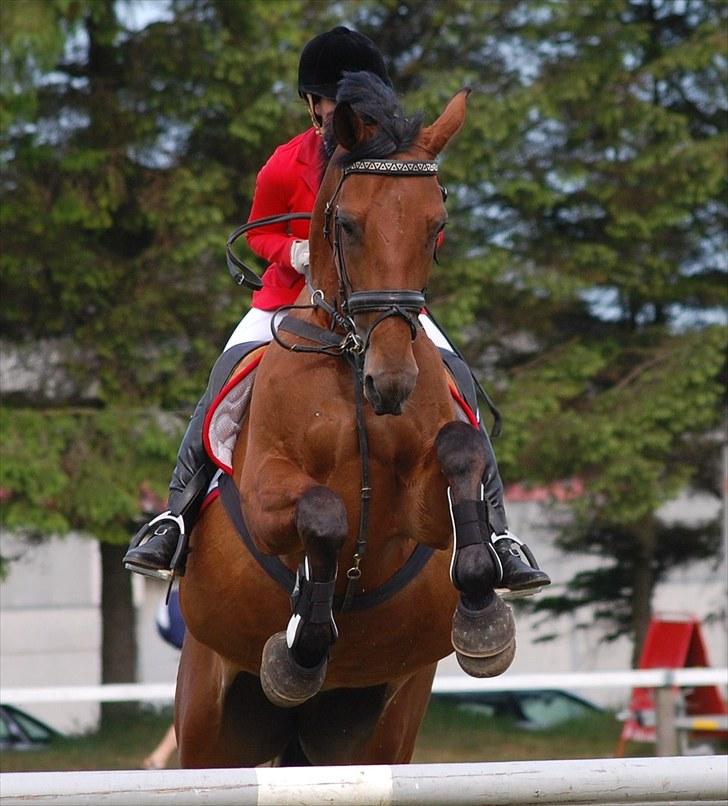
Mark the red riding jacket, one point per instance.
(287, 183)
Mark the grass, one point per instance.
(119, 746)
(452, 735)
(447, 735)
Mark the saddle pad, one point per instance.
(226, 413)
(462, 409)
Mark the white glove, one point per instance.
(299, 256)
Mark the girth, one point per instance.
(286, 578)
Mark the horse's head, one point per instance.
(378, 216)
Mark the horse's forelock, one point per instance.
(376, 102)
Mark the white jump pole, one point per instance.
(607, 782)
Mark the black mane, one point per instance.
(375, 102)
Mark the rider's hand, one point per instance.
(299, 256)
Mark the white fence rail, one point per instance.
(647, 678)
(607, 782)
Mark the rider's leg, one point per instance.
(517, 575)
(153, 548)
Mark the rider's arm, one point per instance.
(272, 193)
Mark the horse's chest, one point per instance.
(333, 441)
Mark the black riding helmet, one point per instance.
(328, 56)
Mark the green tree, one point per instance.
(587, 271)
(129, 154)
(126, 172)
(627, 200)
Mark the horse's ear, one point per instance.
(348, 126)
(435, 137)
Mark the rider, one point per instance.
(289, 183)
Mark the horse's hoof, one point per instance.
(284, 682)
(483, 633)
(488, 667)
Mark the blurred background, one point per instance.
(583, 277)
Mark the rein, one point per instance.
(241, 273)
(403, 303)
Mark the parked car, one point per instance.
(533, 709)
(21, 731)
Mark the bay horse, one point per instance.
(352, 459)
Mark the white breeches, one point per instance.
(255, 326)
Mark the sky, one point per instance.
(139, 13)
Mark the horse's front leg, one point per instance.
(293, 667)
(483, 630)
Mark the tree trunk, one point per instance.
(118, 627)
(643, 583)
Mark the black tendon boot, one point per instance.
(518, 576)
(158, 549)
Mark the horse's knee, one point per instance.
(321, 520)
(462, 453)
(322, 526)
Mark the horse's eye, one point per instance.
(439, 229)
(349, 227)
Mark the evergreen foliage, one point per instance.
(587, 258)
(82, 469)
(583, 273)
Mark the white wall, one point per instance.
(50, 623)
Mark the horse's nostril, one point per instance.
(370, 390)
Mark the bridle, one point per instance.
(403, 303)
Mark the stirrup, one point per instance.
(506, 593)
(165, 574)
(177, 561)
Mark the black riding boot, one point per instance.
(158, 549)
(516, 575)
